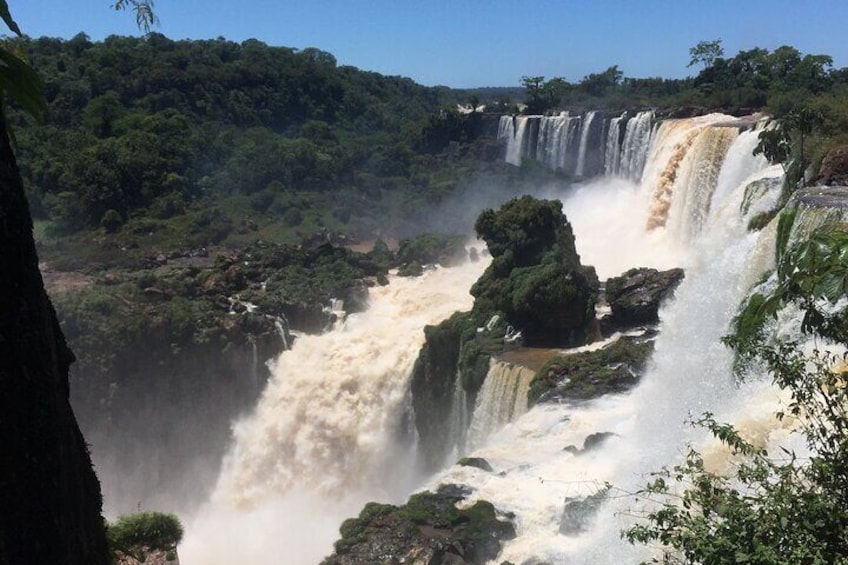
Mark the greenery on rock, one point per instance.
(772, 508)
(135, 533)
(535, 270)
(428, 522)
(590, 374)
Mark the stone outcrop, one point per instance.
(50, 510)
(578, 513)
(427, 530)
(535, 277)
(834, 168)
(590, 374)
(635, 296)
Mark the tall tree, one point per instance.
(705, 53)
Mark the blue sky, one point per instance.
(476, 42)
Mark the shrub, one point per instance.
(153, 530)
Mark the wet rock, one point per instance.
(635, 296)
(834, 168)
(581, 376)
(595, 440)
(477, 462)
(579, 512)
(428, 530)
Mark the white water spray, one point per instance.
(327, 435)
(689, 372)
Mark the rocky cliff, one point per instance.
(51, 497)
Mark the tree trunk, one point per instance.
(50, 501)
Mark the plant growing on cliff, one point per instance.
(151, 530)
(784, 508)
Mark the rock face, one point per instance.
(590, 374)
(536, 278)
(834, 168)
(427, 530)
(50, 511)
(635, 296)
(578, 513)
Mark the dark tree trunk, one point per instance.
(50, 502)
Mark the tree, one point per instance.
(784, 508)
(705, 53)
(804, 120)
(144, 15)
(775, 145)
(598, 84)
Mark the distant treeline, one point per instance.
(145, 126)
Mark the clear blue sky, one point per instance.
(477, 42)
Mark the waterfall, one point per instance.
(329, 431)
(701, 169)
(502, 398)
(581, 146)
(635, 146)
(326, 435)
(584, 141)
(612, 152)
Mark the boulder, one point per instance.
(535, 277)
(834, 168)
(477, 462)
(635, 296)
(428, 530)
(578, 513)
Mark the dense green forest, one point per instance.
(208, 141)
(203, 138)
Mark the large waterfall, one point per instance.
(582, 146)
(332, 431)
(694, 182)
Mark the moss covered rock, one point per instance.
(589, 374)
(429, 528)
(535, 278)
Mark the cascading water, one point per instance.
(330, 427)
(584, 143)
(581, 146)
(328, 433)
(690, 371)
(502, 399)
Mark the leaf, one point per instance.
(7, 17)
(23, 84)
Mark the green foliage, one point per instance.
(535, 270)
(775, 144)
(768, 509)
(354, 530)
(432, 248)
(591, 373)
(153, 530)
(705, 53)
(144, 15)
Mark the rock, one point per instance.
(477, 462)
(578, 513)
(635, 296)
(51, 509)
(595, 440)
(589, 374)
(834, 168)
(428, 530)
(535, 271)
